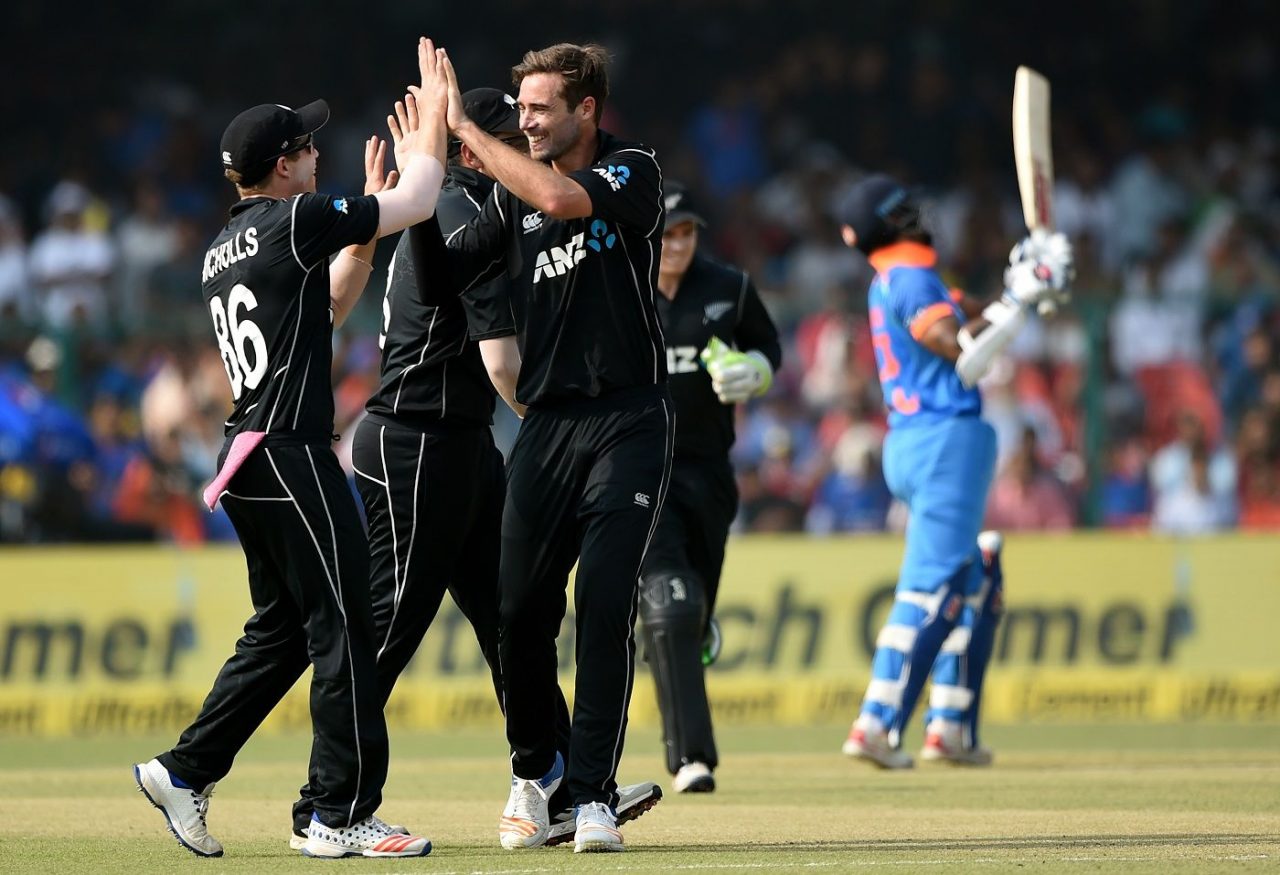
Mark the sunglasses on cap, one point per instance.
(297, 144)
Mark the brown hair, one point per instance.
(584, 69)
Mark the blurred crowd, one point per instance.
(1153, 402)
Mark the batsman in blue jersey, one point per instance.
(939, 459)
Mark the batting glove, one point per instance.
(1052, 250)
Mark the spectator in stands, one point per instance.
(1126, 494)
(15, 296)
(1195, 506)
(71, 263)
(1025, 496)
(147, 238)
(1172, 468)
(852, 497)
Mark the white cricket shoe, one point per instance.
(597, 830)
(944, 743)
(870, 742)
(633, 801)
(298, 839)
(990, 542)
(183, 808)
(368, 838)
(694, 778)
(526, 822)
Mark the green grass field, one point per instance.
(1077, 799)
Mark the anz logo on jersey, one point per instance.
(616, 176)
(559, 260)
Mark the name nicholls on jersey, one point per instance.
(243, 245)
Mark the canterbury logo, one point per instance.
(642, 500)
(531, 222)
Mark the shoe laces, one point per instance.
(597, 813)
(200, 801)
(528, 794)
(378, 824)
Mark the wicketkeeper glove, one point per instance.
(736, 376)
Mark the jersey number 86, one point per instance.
(235, 336)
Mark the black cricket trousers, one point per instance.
(308, 564)
(585, 482)
(433, 500)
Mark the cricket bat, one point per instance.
(1033, 154)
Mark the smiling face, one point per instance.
(679, 242)
(546, 119)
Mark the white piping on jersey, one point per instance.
(668, 448)
(660, 344)
(474, 202)
(293, 224)
(337, 594)
(368, 476)
(395, 541)
(297, 329)
(435, 311)
(471, 285)
(742, 300)
(652, 156)
(302, 391)
(226, 493)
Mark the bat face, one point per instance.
(1032, 148)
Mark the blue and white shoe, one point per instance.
(184, 808)
(526, 821)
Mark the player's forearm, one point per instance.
(348, 276)
(531, 181)
(413, 200)
(501, 357)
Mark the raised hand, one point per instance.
(375, 156)
(457, 114)
(403, 126)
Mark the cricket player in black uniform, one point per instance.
(722, 348)
(274, 299)
(576, 227)
(429, 475)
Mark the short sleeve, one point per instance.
(488, 309)
(625, 186)
(918, 299)
(323, 224)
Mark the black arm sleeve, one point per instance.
(477, 251)
(755, 328)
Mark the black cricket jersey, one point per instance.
(713, 299)
(582, 290)
(266, 286)
(430, 370)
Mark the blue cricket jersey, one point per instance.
(906, 298)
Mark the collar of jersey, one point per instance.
(907, 253)
(245, 203)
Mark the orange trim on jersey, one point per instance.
(930, 316)
(957, 295)
(906, 253)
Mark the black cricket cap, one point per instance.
(258, 136)
(877, 208)
(493, 110)
(680, 204)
